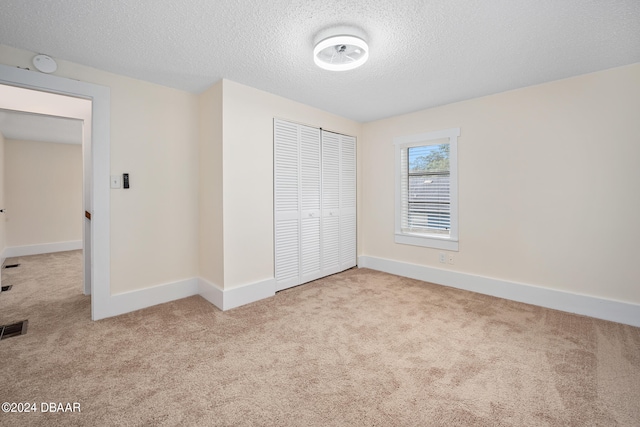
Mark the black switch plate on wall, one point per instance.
(125, 180)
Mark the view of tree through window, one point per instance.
(428, 175)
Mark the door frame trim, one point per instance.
(100, 167)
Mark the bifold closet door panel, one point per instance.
(310, 185)
(286, 204)
(287, 253)
(347, 202)
(330, 203)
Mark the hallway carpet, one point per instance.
(360, 348)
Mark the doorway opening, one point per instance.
(46, 171)
(95, 159)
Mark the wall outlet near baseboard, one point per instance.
(451, 259)
(443, 257)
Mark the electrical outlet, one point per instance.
(451, 259)
(443, 257)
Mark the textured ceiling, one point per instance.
(423, 53)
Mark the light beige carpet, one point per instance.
(361, 348)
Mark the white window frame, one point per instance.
(429, 240)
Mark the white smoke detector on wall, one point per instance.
(341, 53)
(44, 63)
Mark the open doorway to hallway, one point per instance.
(46, 169)
(41, 180)
(97, 128)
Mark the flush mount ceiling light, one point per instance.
(341, 53)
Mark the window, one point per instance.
(427, 189)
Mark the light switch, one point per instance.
(116, 181)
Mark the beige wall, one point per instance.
(43, 183)
(157, 135)
(248, 175)
(211, 249)
(548, 183)
(154, 224)
(154, 137)
(3, 232)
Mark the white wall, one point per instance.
(154, 137)
(211, 249)
(248, 175)
(548, 182)
(43, 193)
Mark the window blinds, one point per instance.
(425, 190)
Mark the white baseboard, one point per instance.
(235, 297)
(223, 299)
(615, 311)
(42, 248)
(211, 293)
(147, 297)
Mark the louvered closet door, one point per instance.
(310, 207)
(314, 202)
(347, 202)
(286, 204)
(330, 203)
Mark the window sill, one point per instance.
(445, 243)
